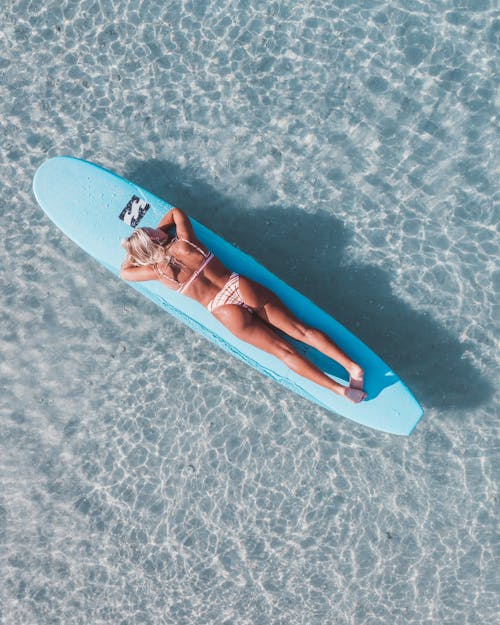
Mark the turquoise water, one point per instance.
(352, 149)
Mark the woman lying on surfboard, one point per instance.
(246, 308)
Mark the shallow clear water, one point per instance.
(145, 476)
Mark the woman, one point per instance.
(246, 308)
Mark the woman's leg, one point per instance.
(272, 310)
(253, 330)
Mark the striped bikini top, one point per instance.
(182, 286)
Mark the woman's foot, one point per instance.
(355, 395)
(356, 377)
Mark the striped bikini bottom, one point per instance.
(229, 294)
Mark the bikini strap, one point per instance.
(163, 275)
(196, 273)
(204, 254)
(183, 285)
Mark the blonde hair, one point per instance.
(142, 250)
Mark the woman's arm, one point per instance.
(167, 221)
(180, 220)
(137, 274)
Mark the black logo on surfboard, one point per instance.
(134, 211)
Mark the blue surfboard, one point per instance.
(96, 208)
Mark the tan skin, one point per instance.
(269, 312)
